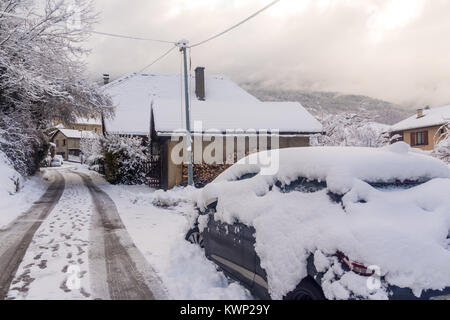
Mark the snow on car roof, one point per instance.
(403, 233)
(339, 166)
(431, 117)
(227, 106)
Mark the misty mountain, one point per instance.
(320, 103)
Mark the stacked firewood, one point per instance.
(206, 173)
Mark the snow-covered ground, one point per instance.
(157, 222)
(60, 243)
(13, 203)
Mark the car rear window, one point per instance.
(398, 185)
(247, 176)
(302, 185)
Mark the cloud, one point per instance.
(389, 49)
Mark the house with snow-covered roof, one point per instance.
(67, 143)
(152, 106)
(424, 129)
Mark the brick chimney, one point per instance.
(105, 78)
(419, 113)
(200, 83)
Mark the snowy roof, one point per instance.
(227, 107)
(89, 121)
(432, 117)
(77, 134)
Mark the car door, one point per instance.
(232, 248)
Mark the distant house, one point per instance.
(152, 106)
(67, 143)
(423, 129)
(86, 124)
(83, 124)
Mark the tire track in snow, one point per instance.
(16, 238)
(55, 265)
(128, 275)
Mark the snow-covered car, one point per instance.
(60, 158)
(56, 162)
(331, 223)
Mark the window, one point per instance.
(302, 185)
(64, 142)
(419, 138)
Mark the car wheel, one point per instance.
(308, 289)
(195, 237)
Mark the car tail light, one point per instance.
(354, 266)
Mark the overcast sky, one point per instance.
(397, 50)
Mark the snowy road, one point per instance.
(86, 239)
(16, 237)
(72, 245)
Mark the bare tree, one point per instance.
(42, 73)
(349, 129)
(442, 142)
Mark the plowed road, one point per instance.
(72, 244)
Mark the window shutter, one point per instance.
(426, 137)
(413, 139)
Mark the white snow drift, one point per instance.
(16, 193)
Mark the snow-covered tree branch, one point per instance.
(442, 143)
(42, 73)
(349, 129)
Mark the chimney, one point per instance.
(200, 83)
(105, 78)
(419, 113)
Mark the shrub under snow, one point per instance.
(442, 149)
(125, 158)
(355, 130)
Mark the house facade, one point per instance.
(221, 114)
(67, 143)
(82, 124)
(86, 124)
(424, 129)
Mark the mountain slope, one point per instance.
(321, 103)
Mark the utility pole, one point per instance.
(183, 44)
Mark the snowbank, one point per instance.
(159, 232)
(16, 193)
(10, 179)
(402, 231)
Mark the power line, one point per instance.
(108, 34)
(236, 25)
(129, 37)
(158, 59)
